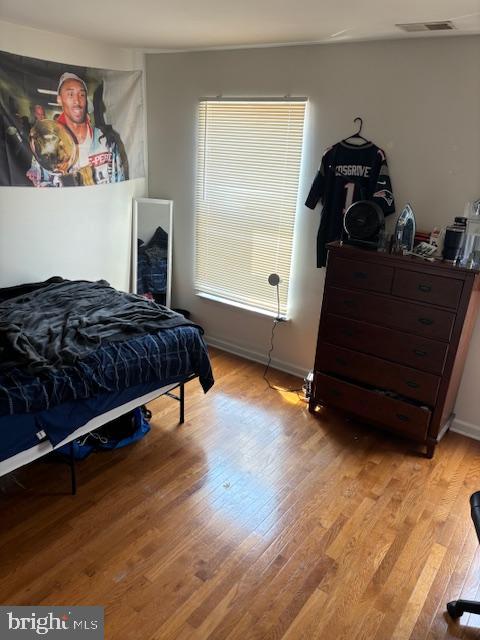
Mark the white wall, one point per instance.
(79, 232)
(420, 100)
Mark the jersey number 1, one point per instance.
(350, 187)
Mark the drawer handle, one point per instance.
(350, 303)
(347, 332)
(426, 288)
(360, 275)
(341, 361)
(425, 321)
(420, 353)
(402, 417)
(412, 384)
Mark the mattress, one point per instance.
(72, 351)
(30, 448)
(159, 359)
(23, 431)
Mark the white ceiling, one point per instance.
(199, 24)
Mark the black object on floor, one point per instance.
(68, 454)
(457, 607)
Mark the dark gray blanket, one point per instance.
(56, 324)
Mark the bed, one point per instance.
(76, 354)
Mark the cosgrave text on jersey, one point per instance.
(358, 170)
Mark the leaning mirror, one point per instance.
(152, 249)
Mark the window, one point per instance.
(248, 167)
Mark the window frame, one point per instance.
(218, 298)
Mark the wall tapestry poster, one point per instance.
(66, 126)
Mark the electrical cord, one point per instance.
(269, 354)
(276, 321)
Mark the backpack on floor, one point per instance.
(118, 433)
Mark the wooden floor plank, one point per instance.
(253, 521)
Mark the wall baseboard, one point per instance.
(256, 356)
(466, 429)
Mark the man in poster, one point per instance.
(70, 151)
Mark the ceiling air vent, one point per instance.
(412, 27)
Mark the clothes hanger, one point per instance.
(356, 135)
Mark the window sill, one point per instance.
(240, 305)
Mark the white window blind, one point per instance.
(248, 167)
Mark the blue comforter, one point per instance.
(168, 356)
(70, 351)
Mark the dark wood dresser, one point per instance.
(392, 340)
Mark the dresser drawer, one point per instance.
(413, 351)
(398, 416)
(359, 275)
(375, 372)
(424, 287)
(397, 314)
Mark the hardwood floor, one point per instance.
(255, 520)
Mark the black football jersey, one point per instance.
(348, 173)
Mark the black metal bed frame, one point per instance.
(179, 398)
